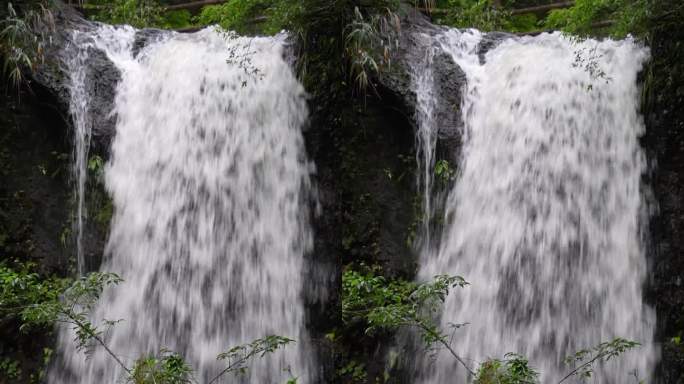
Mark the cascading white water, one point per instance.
(210, 184)
(547, 214)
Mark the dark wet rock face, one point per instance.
(145, 37)
(664, 117)
(101, 75)
(416, 41)
(451, 80)
(34, 206)
(52, 74)
(100, 78)
(490, 41)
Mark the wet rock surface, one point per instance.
(664, 144)
(101, 76)
(413, 46)
(34, 206)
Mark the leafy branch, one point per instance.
(384, 304)
(513, 369)
(603, 352)
(41, 302)
(238, 356)
(387, 304)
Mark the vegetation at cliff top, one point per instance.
(616, 18)
(613, 17)
(358, 33)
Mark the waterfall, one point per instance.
(210, 185)
(547, 214)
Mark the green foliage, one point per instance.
(513, 369)
(237, 357)
(39, 376)
(39, 302)
(364, 292)
(583, 361)
(386, 304)
(165, 368)
(26, 295)
(580, 17)
(176, 19)
(238, 15)
(104, 215)
(480, 14)
(138, 13)
(23, 38)
(9, 369)
(632, 17)
(343, 42)
(43, 302)
(353, 371)
(616, 18)
(96, 165)
(230, 15)
(391, 304)
(367, 44)
(628, 16)
(443, 171)
(364, 40)
(522, 23)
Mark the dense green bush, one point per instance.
(238, 15)
(480, 14)
(625, 17)
(616, 18)
(138, 13)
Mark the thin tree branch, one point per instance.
(94, 336)
(229, 367)
(439, 337)
(588, 363)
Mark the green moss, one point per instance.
(9, 368)
(104, 216)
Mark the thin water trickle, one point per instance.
(82, 130)
(210, 184)
(423, 84)
(547, 215)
